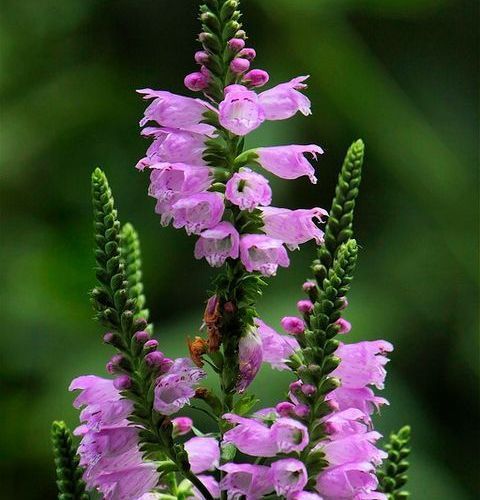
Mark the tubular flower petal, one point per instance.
(217, 244)
(248, 480)
(198, 211)
(249, 358)
(203, 454)
(248, 190)
(261, 253)
(289, 476)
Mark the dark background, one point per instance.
(401, 74)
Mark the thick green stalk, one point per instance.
(69, 473)
(392, 476)
(114, 301)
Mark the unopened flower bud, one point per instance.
(195, 81)
(344, 303)
(201, 57)
(114, 363)
(295, 386)
(285, 408)
(333, 405)
(344, 326)
(239, 65)
(150, 345)
(293, 325)
(182, 426)
(305, 306)
(309, 389)
(122, 382)
(154, 359)
(256, 78)
(229, 307)
(141, 337)
(247, 53)
(241, 34)
(309, 286)
(108, 337)
(236, 44)
(301, 410)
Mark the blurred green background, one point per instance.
(401, 74)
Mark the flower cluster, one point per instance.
(216, 202)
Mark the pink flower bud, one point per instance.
(154, 359)
(239, 65)
(108, 337)
(305, 306)
(247, 53)
(201, 57)
(150, 345)
(256, 78)
(141, 337)
(236, 44)
(285, 408)
(344, 326)
(309, 389)
(113, 364)
(345, 303)
(182, 425)
(122, 382)
(308, 286)
(196, 81)
(293, 325)
(301, 411)
(296, 386)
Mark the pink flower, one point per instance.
(236, 44)
(305, 495)
(256, 78)
(249, 358)
(293, 227)
(175, 111)
(288, 162)
(196, 81)
(197, 212)
(109, 449)
(240, 112)
(261, 253)
(293, 325)
(246, 480)
(363, 399)
(174, 389)
(289, 476)
(305, 306)
(284, 100)
(289, 435)
(173, 146)
(362, 364)
(250, 436)
(248, 189)
(203, 453)
(239, 65)
(276, 348)
(217, 244)
(348, 481)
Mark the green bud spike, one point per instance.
(110, 297)
(132, 259)
(69, 473)
(340, 221)
(392, 476)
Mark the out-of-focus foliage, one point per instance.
(400, 74)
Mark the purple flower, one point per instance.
(250, 436)
(284, 100)
(173, 146)
(182, 425)
(170, 181)
(256, 78)
(363, 399)
(248, 190)
(261, 253)
(196, 81)
(217, 244)
(362, 364)
(109, 446)
(250, 481)
(201, 57)
(175, 111)
(249, 358)
(293, 227)
(289, 435)
(293, 325)
(240, 112)
(197, 212)
(203, 453)
(304, 495)
(288, 162)
(352, 480)
(174, 389)
(289, 476)
(276, 348)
